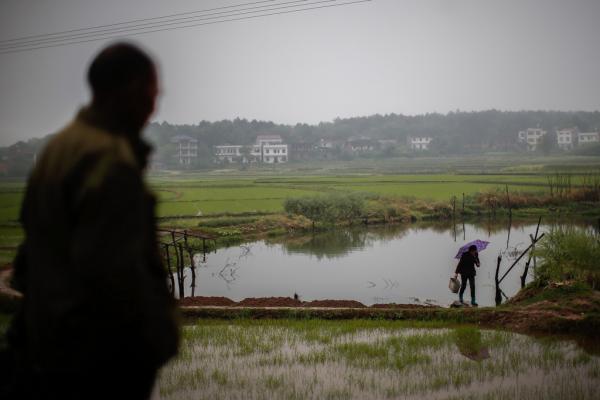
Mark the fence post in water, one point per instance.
(180, 276)
(190, 252)
(508, 204)
(498, 292)
(171, 278)
(453, 207)
(463, 204)
(521, 256)
(533, 241)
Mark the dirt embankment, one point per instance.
(286, 302)
(558, 308)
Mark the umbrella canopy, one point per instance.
(480, 244)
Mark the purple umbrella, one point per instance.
(480, 244)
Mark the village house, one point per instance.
(272, 149)
(302, 150)
(584, 138)
(419, 143)
(532, 137)
(228, 153)
(268, 149)
(566, 138)
(187, 149)
(360, 144)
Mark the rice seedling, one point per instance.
(359, 359)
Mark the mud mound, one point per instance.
(335, 304)
(269, 302)
(403, 306)
(206, 301)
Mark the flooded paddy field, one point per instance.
(359, 359)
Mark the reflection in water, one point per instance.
(389, 264)
(469, 343)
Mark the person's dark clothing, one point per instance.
(96, 309)
(466, 265)
(463, 285)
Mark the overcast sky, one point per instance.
(401, 56)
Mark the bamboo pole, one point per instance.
(519, 258)
(498, 296)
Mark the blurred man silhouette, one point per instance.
(96, 320)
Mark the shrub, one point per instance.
(328, 208)
(570, 253)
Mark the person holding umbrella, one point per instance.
(466, 268)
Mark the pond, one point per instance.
(388, 264)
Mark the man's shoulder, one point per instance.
(82, 138)
(78, 142)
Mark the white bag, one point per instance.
(454, 285)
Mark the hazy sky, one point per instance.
(402, 56)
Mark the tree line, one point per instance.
(456, 132)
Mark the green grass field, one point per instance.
(185, 195)
(264, 190)
(192, 196)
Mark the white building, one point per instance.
(268, 149)
(532, 137)
(272, 149)
(584, 138)
(566, 138)
(419, 143)
(228, 153)
(187, 149)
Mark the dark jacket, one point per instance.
(466, 265)
(95, 290)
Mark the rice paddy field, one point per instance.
(192, 195)
(361, 359)
(187, 196)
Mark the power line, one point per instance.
(19, 50)
(137, 20)
(150, 25)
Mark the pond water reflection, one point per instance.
(388, 264)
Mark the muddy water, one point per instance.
(400, 264)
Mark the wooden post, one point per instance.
(454, 225)
(453, 207)
(180, 272)
(508, 203)
(498, 296)
(463, 203)
(171, 277)
(519, 258)
(533, 241)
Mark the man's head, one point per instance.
(473, 249)
(124, 85)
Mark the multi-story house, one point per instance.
(187, 149)
(268, 149)
(228, 153)
(584, 138)
(419, 143)
(272, 149)
(302, 150)
(566, 138)
(532, 137)
(360, 144)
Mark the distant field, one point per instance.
(192, 195)
(196, 196)
(265, 189)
